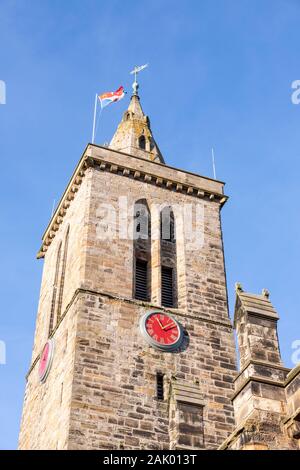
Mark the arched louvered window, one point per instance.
(169, 296)
(63, 274)
(142, 220)
(167, 225)
(142, 142)
(55, 289)
(167, 286)
(142, 251)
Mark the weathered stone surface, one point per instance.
(103, 369)
(101, 390)
(134, 135)
(266, 400)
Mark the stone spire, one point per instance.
(134, 135)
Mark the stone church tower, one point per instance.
(133, 345)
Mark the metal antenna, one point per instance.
(213, 163)
(137, 69)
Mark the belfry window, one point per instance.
(142, 251)
(141, 280)
(142, 221)
(167, 225)
(167, 287)
(168, 254)
(142, 142)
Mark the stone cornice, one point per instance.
(260, 363)
(186, 393)
(254, 378)
(292, 374)
(136, 168)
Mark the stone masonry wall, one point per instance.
(109, 261)
(45, 418)
(46, 411)
(77, 219)
(114, 401)
(100, 392)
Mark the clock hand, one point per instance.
(169, 324)
(159, 323)
(171, 328)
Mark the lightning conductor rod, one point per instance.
(213, 163)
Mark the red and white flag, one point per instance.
(111, 97)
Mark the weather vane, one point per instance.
(135, 71)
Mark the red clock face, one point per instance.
(45, 360)
(162, 329)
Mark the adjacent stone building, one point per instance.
(133, 311)
(267, 395)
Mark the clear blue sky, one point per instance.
(220, 75)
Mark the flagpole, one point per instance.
(98, 120)
(213, 163)
(94, 120)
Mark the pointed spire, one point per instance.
(134, 135)
(135, 107)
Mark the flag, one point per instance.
(111, 97)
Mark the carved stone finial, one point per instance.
(238, 287)
(265, 293)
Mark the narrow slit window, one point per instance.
(141, 280)
(167, 288)
(54, 291)
(160, 386)
(63, 275)
(142, 142)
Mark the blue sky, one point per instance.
(220, 75)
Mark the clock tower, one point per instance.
(133, 345)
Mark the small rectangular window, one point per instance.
(167, 298)
(141, 280)
(160, 386)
